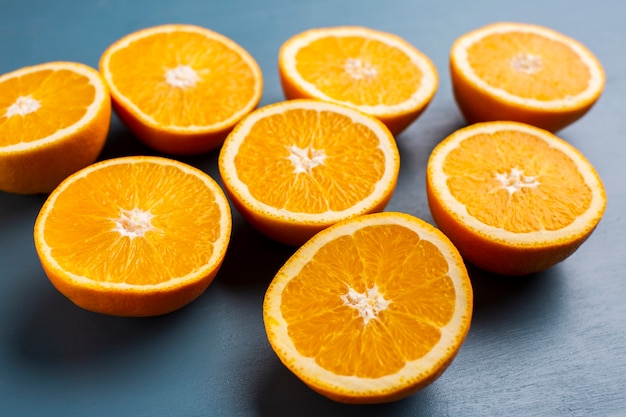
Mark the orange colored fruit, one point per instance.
(513, 198)
(181, 88)
(375, 72)
(371, 309)
(133, 236)
(525, 73)
(296, 167)
(54, 120)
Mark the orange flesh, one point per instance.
(410, 273)
(560, 74)
(396, 77)
(89, 246)
(53, 90)
(472, 167)
(338, 183)
(225, 82)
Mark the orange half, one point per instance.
(54, 120)
(133, 236)
(525, 73)
(513, 198)
(376, 72)
(371, 309)
(296, 167)
(181, 88)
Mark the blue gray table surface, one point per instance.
(550, 344)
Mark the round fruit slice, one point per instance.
(375, 72)
(54, 120)
(134, 236)
(371, 309)
(294, 168)
(513, 198)
(524, 73)
(181, 88)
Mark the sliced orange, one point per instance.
(525, 73)
(513, 198)
(296, 167)
(54, 120)
(376, 72)
(371, 309)
(181, 88)
(134, 236)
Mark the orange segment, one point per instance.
(54, 120)
(296, 167)
(525, 73)
(371, 309)
(181, 88)
(514, 199)
(134, 236)
(376, 72)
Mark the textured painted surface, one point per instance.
(546, 345)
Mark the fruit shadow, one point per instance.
(415, 146)
(15, 209)
(519, 300)
(122, 142)
(252, 259)
(53, 333)
(283, 394)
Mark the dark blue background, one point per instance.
(551, 344)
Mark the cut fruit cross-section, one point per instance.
(375, 72)
(371, 309)
(296, 167)
(54, 120)
(134, 236)
(181, 88)
(513, 198)
(524, 73)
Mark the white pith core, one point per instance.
(305, 159)
(526, 63)
(515, 180)
(133, 223)
(183, 76)
(368, 304)
(22, 106)
(359, 69)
